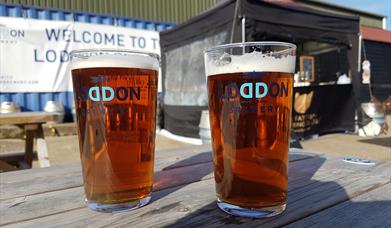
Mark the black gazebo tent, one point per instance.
(184, 83)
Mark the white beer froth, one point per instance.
(251, 62)
(117, 61)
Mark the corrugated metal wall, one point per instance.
(175, 11)
(36, 101)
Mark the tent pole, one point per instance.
(359, 53)
(236, 13)
(243, 29)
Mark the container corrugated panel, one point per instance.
(175, 11)
(37, 101)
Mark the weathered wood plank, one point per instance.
(32, 206)
(177, 209)
(194, 204)
(167, 178)
(170, 159)
(29, 182)
(162, 156)
(163, 179)
(371, 209)
(42, 148)
(26, 117)
(201, 210)
(24, 208)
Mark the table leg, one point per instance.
(42, 149)
(30, 131)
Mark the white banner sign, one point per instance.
(34, 54)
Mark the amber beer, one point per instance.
(115, 99)
(250, 109)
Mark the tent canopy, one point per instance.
(291, 21)
(184, 83)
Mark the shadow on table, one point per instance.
(193, 169)
(181, 173)
(386, 142)
(203, 157)
(305, 198)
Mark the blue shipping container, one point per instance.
(36, 101)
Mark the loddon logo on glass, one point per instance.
(107, 93)
(253, 89)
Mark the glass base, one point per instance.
(264, 212)
(119, 207)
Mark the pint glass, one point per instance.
(115, 97)
(250, 91)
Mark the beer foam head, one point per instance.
(142, 61)
(250, 62)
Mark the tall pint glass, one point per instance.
(115, 96)
(250, 91)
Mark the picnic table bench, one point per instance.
(323, 191)
(32, 124)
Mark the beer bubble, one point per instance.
(223, 60)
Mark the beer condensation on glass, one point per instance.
(115, 98)
(250, 93)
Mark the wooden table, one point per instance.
(32, 123)
(323, 191)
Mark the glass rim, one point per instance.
(79, 52)
(253, 43)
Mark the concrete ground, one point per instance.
(374, 148)
(65, 149)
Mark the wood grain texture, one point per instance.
(166, 178)
(35, 181)
(371, 209)
(42, 148)
(30, 131)
(26, 117)
(30, 182)
(27, 207)
(162, 157)
(315, 184)
(199, 167)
